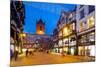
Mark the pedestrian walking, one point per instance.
(11, 54)
(16, 55)
(30, 52)
(63, 53)
(26, 52)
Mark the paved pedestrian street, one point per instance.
(48, 34)
(40, 58)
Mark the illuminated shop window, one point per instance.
(60, 50)
(24, 49)
(55, 50)
(72, 50)
(65, 49)
(81, 50)
(90, 50)
(91, 22)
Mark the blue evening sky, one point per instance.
(48, 12)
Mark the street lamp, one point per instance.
(23, 34)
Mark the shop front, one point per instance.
(87, 44)
(56, 50)
(65, 49)
(87, 50)
(65, 45)
(60, 50)
(72, 50)
(60, 46)
(69, 44)
(81, 50)
(72, 44)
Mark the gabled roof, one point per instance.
(40, 21)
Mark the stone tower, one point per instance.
(40, 27)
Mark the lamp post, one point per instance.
(23, 35)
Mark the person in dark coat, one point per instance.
(26, 52)
(16, 55)
(11, 54)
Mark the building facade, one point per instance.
(55, 40)
(38, 40)
(86, 30)
(66, 33)
(75, 31)
(17, 16)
